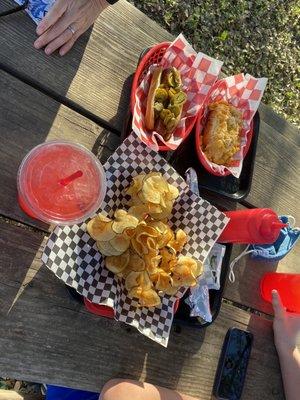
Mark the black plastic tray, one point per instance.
(185, 156)
(228, 186)
(182, 315)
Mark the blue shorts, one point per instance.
(61, 393)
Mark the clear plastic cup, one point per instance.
(42, 190)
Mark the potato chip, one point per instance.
(164, 281)
(171, 290)
(135, 292)
(123, 221)
(117, 264)
(180, 240)
(152, 261)
(120, 243)
(184, 272)
(197, 271)
(157, 181)
(107, 249)
(138, 279)
(137, 247)
(149, 298)
(139, 211)
(154, 208)
(140, 246)
(100, 228)
(136, 184)
(136, 262)
(172, 193)
(149, 193)
(165, 212)
(133, 279)
(159, 226)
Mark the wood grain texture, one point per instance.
(285, 128)
(45, 336)
(96, 73)
(276, 179)
(28, 118)
(248, 273)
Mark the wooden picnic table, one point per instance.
(45, 336)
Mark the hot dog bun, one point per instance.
(155, 82)
(221, 136)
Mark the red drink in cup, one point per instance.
(288, 287)
(61, 182)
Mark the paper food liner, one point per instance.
(245, 93)
(198, 72)
(74, 258)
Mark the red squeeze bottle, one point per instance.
(254, 226)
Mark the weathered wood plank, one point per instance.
(285, 128)
(28, 118)
(47, 337)
(96, 73)
(276, 180)
(248, 273)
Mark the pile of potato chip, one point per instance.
(139, 245)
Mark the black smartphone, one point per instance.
(232, 367)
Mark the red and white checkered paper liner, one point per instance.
(72, 255)
(198, 71)
(245, 93)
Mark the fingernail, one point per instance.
(40, 28)
(62, 53)
(274, 292)
(37, 44)
(48, 51)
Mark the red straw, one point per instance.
(71, 178)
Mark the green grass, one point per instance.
(260, 37)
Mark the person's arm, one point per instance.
(287, 337)
(118, 389)
(65, 22)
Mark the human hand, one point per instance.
(286, 325)
(65, 22)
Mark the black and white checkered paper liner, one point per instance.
(74, 258)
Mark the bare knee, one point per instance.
(114, 389)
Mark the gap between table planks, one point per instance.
(45, 336)
(99, 87)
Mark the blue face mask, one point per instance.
(287, 239)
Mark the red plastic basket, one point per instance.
(154, 56)
(201, 156)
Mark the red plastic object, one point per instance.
(103, 311)
(201, 156)
(254, 226)
(154, 56)
(108, 312)
(288, 287)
